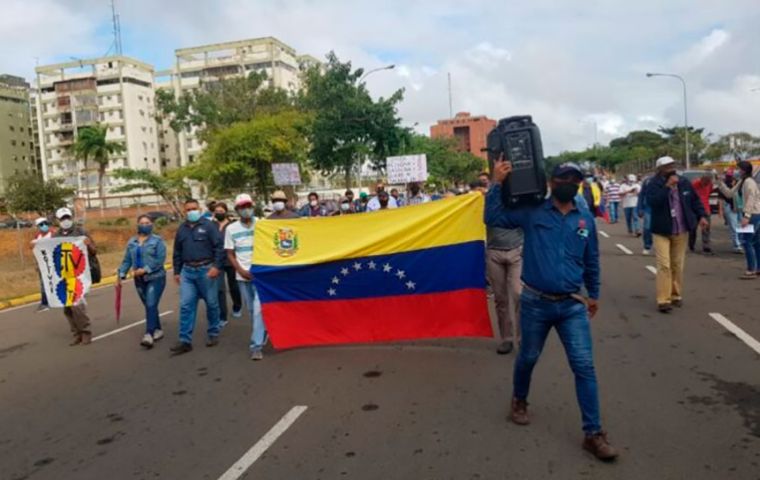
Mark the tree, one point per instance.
(28, 192)
(742, 145)
(242, 154)
(446, 165)
(347, 123)
(171, 186)
(675, 142)
(91, 144)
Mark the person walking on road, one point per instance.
(280, 207)
(222, 220)
(503, 268)
(145, 256)
(629, 191)
(676, 210)
(561, 257)
(729, 211)
(704, 187)
(612, 194)
(76, 315)
(197, 259)
(644, 212)
(43, 231)
(238, 243)
(749, 193)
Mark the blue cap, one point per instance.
(565, 168)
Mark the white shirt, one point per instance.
(374, 204)
(632, 198)
(239, 237)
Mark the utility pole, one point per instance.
(685, 110)
(451, 110)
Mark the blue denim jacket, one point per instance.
(154, 257)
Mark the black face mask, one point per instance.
(414, 190)
(667, 175)
(384, 203)
(220, 216)
(564, 192)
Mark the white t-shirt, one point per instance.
(632, 199)
(240, 239)
(374, 204)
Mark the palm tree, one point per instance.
(91, 143)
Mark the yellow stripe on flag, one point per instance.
(318, 240)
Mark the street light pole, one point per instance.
(387, 67)
(685, 110)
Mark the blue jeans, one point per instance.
(194, 284)
(150, 294)
(614, 211)
(631, 219)
(751, 243)
(570, 318)
(732, 220)
(647, 230)
(252, 303)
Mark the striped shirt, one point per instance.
(613, 192)
(239, 238)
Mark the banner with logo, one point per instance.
(64, 268)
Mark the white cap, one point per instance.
(243, 199)
(63, 212)
(631, 177)
(662, 161)
(40, 220)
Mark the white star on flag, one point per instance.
(344, 271)
(371, 265)
(400, 274)
(335, 280)
(387, 267)
(331, 292)
(410, 285)
(357, 266)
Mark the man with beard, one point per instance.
(560, 258)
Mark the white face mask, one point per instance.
(278, 206)
(313, 203)
(67, 224)
(344, 207)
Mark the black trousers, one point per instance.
(232, 287)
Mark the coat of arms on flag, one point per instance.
(285, 242)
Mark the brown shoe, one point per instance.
(77, 340)
(598, 445)
(86, 338)
(519, 412)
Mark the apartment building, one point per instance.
(196, 66)
(17, 149)
(117, 92)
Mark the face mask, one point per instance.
(414, 191)
(669, 174)
(313, 203)
(67, 224)
(384, 203)
(44, 228)
(246, 213)
(145, 229)
(278, 206)
(564, 192)
(220, 216)
(344, 206)
(193, 216)
(589, 180)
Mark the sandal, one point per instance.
(748, 276)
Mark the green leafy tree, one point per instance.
(744, 144)
(348, 124)
(675, 141)
(170, 186)
(446, 165)
(28, 192)
(91, 144)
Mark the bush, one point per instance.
(121, 222)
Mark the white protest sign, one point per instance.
(407, 168)
(64, 268)
(286, 174)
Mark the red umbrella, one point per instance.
(117, 302)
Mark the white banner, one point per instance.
(286, 174)
(64, 268)
(407, 168)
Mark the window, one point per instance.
(15, 158)
(140, 98)
(12, 128)
(124, 162)
(23, 143)
(108, 98)
(13, 143)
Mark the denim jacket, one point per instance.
(154, 257)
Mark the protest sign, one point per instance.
(407, 168)
(286, 174)
(64, 268)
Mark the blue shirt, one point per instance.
(150, 256)
(198, 242)
(560, 253)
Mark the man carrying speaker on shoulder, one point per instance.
(560, 259)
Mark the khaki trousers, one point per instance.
(78, 319)
(504, 268)
(671, 254)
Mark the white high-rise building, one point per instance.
(114, 91)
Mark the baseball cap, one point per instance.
(243, 199)
(662, 161)
(568, 167)
(40, 221)
(279, 195)
(631, 177)
(63, 212)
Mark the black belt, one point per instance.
(199, 263)
(554, 297)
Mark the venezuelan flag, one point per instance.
(412, 272)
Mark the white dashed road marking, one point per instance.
(604, 234)
(740, 334)
(624, 249)
(652, 269)
(126, 327)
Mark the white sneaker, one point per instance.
(158, 334)
(646, 252)
(147, 341)
(237, 313)
(257, 355)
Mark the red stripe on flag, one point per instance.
(460, 313)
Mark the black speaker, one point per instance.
(519, 140)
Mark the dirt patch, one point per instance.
(742, 397)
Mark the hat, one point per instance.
(568, 167)
(662, 161)
(363, 195)
(279, 195)
(40, 221)
(63, 212)
(243, 199)
(631, 177)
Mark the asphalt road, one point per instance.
(680, 395)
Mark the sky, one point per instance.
(571, 64)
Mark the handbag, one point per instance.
(95, 271)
